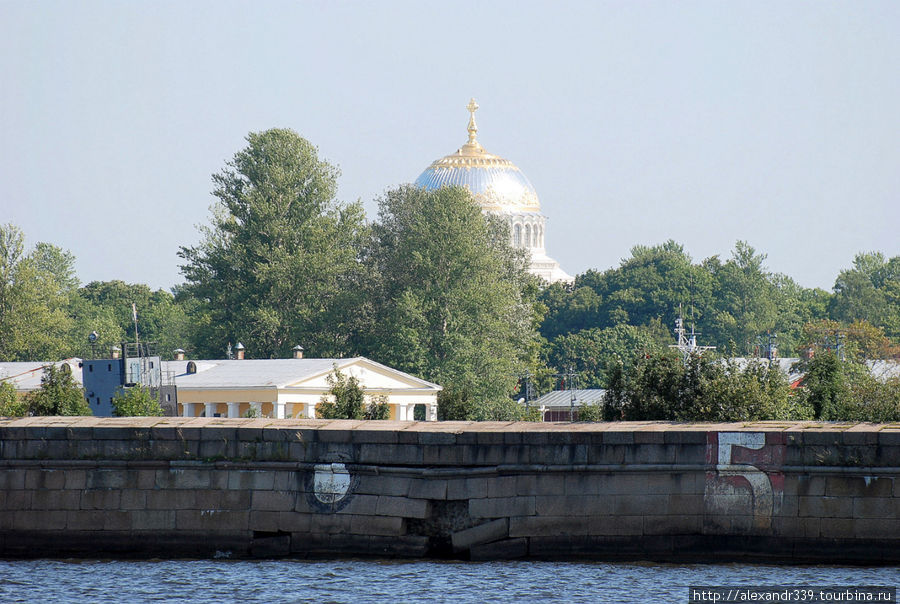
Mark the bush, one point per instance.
(348, 400)
(666, 387)
(590, 413)
(11, 404)
(59, 394)
(137, 401)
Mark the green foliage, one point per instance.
(347, 400)
(847, 391)
(252, 413)
(663, 387)
(280, 263)
(105, 307)
(869, 291)
(449, 303)
(11, 404)
(137, 401)
(59, 394)
(34, 293)
(590, 413)
(592, 352)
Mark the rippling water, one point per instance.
(89, 581)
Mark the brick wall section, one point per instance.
(257, 487)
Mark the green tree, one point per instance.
(105, 307)
(593, 352)
(347, 400)
(136, 401)
(450, 304)
(34, 293)
(665, 387)
(11, 404)
(280, 263)
(59, 394)
(745, 298)
(869, 291)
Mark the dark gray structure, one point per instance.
(139, 364)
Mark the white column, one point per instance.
(289, 409)
(234, 409)
(210, 409)
(432, 413)
(311, 410)
(189, 410)
(278, 410)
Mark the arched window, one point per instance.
(527, 235)
(517, 235)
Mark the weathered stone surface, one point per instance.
(403, 507)
(507, 549)
(186, 486)
(497, 507)
(482, 533)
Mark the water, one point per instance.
(220, 581)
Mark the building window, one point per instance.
(517, 235)
(90, 369)
(527, 235)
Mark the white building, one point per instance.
(291, 388)
(500, 188)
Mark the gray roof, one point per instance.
(264, 373)
(26, 375)
(563, 398)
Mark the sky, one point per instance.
(775, 123)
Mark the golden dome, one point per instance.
(496, 183)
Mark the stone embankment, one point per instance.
(173, 487)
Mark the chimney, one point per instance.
(239, 355)
(115, 352)
(298, 351)
(179, 354)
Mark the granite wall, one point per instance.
(174, 487)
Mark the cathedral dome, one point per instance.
(496, 183)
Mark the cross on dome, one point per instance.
(473, 128)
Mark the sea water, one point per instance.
(220, 581)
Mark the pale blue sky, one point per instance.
(705, 122)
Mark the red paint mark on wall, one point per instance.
(744, 477)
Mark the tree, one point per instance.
(347, 400)
(11, 404)
(869, 291)
(745, 298)
(280, 263)
(450, 304)
(105, 307)
(59, 394)
(136, 401)
(665, 387)
(593, 352)
(34, 293)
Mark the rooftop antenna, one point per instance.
(137, 342)
(687, 342)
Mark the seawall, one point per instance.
(184, 487)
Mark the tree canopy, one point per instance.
(450, 297)
(279, 265)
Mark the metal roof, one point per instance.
(266, 373)
(26, 375)
(563, 398)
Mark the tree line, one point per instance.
(431, 287)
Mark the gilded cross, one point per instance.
(473, 129)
